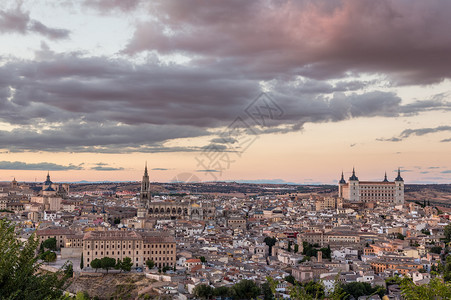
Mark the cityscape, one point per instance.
(193, 149)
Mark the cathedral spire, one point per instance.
(146, 174)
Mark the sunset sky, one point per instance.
(264, 91)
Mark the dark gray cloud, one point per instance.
(159, 169)
(418, 132)
(446, 172)
(208, 171)
(67, 102)
(446, 140)
(43, 166)
(18, 21)
(331, 38)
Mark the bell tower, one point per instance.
(145, 196)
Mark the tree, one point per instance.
(447, 232)
(108, 263)
(41, 248)
(314, 289)
(270, 242)
(96, 264)
(296, 248)
(267, 292)
(166, 268)
(357, 289)
(434, 290)
(50, 244)
(289, 247)
(203, 291)
(69, 270)
(246, 289)
(436, 250)
(222, 291)
(425, 231)
(290, 279)
(81, 262)
(118, 264)
(150, 264)
(273, 285)
(20, 277)
(202, 259)
(126, 264)
(48, 256)
(400, 236)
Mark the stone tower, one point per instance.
(145, 196)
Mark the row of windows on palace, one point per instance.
(124, 246)
(130, 253)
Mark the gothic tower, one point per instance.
(145, 196)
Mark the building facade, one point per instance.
(140, 247)
(372, 191)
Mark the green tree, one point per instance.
(81, 262)
(202, 259)
(425, 231)
(41, 248)
(267, 292)
(270, 242)
(246, 289)
(436, 289)
(107, 263)
(400, 236)
(314, 289)
(69, 270)
(296, 248)
(126, 264)
(290, 279)
(203, 291)
(447, 232)
(20, 276)
(436, 250)
(273, 286)
(82, 296)
(50, 244)
(289, 247)
(150, 264)
(222, 291)
(48, 256)
(96, 264)
(357, 289)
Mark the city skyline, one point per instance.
(91, 90)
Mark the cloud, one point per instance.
(446, 172)
(446, 140)
(208, 171)
(69, 102)
(110, 5)
(416, 132)
(17, 21)
(159, 169)
(102, 168)
(43, 166)
(317, 39)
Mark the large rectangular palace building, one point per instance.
(372, 191)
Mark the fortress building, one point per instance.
(372, 191)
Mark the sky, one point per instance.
(272, 90)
